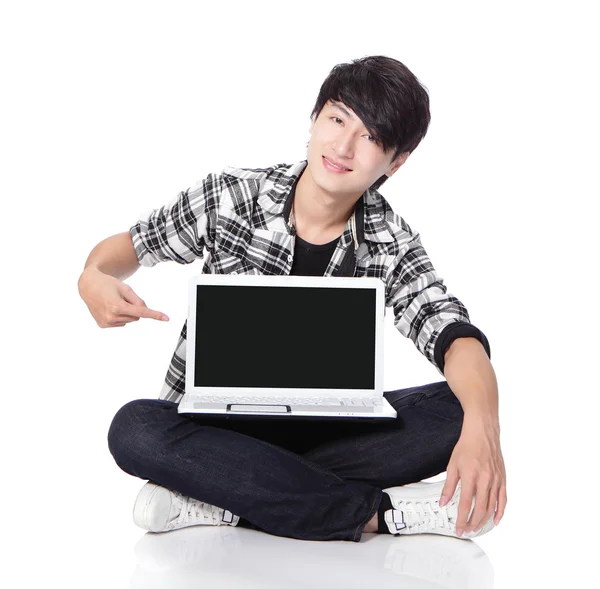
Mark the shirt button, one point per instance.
(234, 272)
(290, 257)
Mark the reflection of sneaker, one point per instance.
(439, 561)
(159, 509)
(416, 510)
(189, 546)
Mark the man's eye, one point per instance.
(371, 137)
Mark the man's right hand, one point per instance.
(111, 302)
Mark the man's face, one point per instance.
(338, 135)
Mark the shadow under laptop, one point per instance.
(236, 557)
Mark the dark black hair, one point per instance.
(386, 96)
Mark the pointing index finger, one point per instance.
(148, 313)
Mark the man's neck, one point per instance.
(316, 212)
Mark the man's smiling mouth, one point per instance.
(336, 165)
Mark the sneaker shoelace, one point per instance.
(425, 514)
(193, 511)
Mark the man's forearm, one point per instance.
(115, 256)
(472, 379)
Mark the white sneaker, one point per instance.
(416, 510)
(159, 509)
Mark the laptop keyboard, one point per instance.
(316, 401)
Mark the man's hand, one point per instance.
(477, 461)
(111, 302)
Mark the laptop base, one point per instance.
(280, 416)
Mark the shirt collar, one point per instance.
(279, 193)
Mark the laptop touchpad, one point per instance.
(255, 408)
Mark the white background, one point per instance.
(111, 108)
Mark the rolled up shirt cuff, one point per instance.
(453, 331)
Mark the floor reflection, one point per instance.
(235, 557)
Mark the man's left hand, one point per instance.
(477, 462)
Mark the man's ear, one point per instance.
(395, 165)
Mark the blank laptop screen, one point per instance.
(285, 337)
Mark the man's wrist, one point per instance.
(474, 420)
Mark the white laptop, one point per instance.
(262, 346)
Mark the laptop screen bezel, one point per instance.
(268, 280)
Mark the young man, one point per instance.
(323, 216)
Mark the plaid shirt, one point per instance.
(240, 220)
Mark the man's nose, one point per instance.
(344, 145)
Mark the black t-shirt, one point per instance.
(311, 259)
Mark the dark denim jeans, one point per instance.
(310, 480)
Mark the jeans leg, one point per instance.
(414, 446)
(276, 489)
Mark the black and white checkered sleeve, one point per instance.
(424, 310)
(180, 230)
